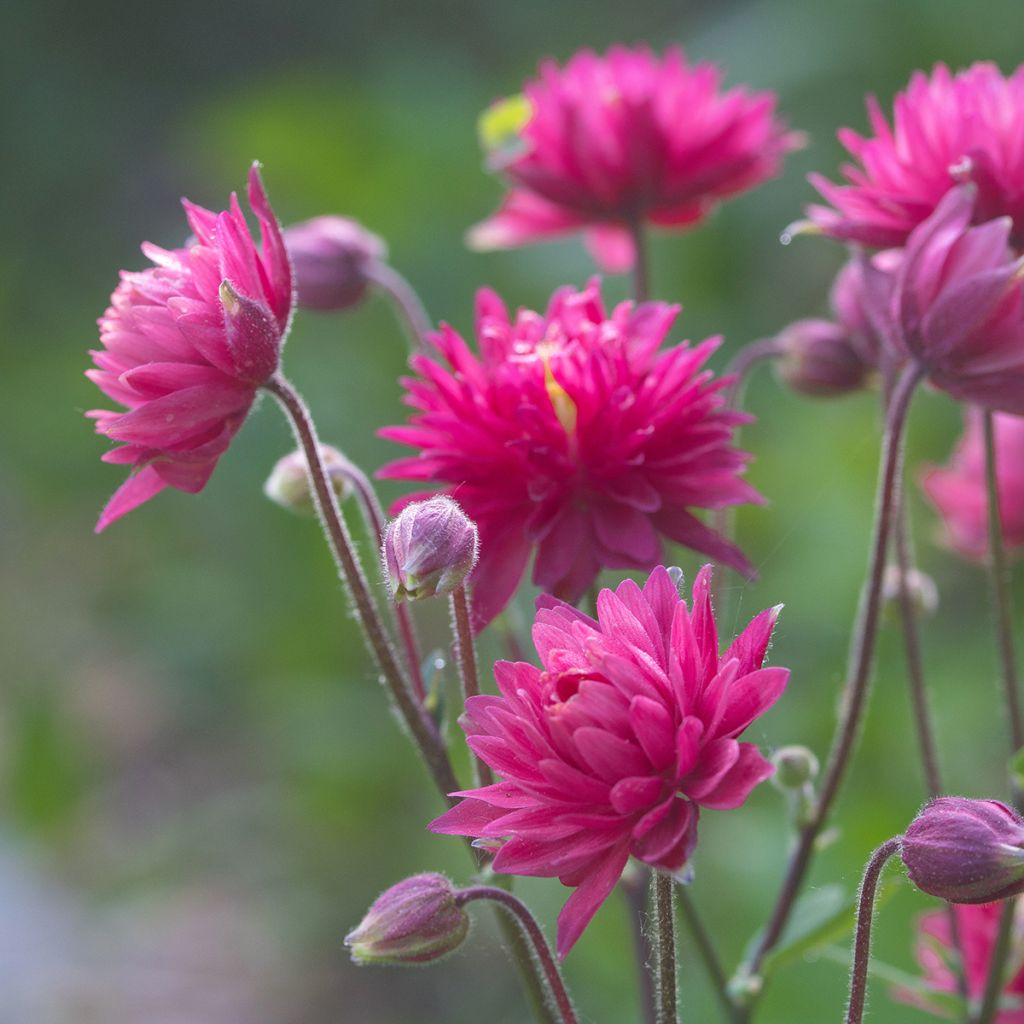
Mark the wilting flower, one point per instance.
(186, 345)
(610, 749)
(965, 851)
(332, 260)
(607, 141)
(572, 433)
(946, 129)
(978, 926)
(958, 491)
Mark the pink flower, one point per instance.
(946, 129)
(572, 434)
(611, 747)
(959, 493)
(186, 345)
(605, 141)
(978, 926)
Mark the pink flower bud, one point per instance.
(330, 260)
(413, 922)
(966, 851)
(289, 485)
(429, 549)
(819, 359)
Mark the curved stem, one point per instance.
(465, 657)
(420, 725)
(706, 950)
(862, 938)
(664, 932)
(861, 661)
(641, 278)
(1001, 599)
(996, 978)
(406, 301)
(743, 362)
(541, 950)
(375, 521)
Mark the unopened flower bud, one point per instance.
(289, 484)
(413, 922)
(429, 549)
(966, 851)
(922, 589)
(818, 359)
(795, 767)
(331, 257)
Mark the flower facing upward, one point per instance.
(572, 433)
(606, 141)
(978, 925)
(186, 345)
(610, 748)
(958, 490)
(946, 129)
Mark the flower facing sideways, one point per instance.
(612, 746)
(607, 141)
(573, 434)
(186, 345)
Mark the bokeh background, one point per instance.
(201, 788)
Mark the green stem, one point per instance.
(664, 933)
(996, 979)
(465, 657)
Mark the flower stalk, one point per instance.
(408, 304)
(465, 658)
(664, 942)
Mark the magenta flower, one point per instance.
(611, 747)
(958, 491)
(606, 141)
(572, 434)
(946, 129)
(186, 345)
(978, 925)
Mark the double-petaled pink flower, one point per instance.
(570, 433)
(978, 926)
(612, 746)
(610, 141)
(946, 129)
(958, 490)
(186, 345)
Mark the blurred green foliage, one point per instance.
(196, 764)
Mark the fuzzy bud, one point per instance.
(429, 549)
(289, 484)
(818, 359)
(924, 594)
(413, 922)
(795, 767)
(331, 257)
(966, 851)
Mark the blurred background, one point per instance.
(201, 788)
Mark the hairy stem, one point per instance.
(465, 657)
(543, 958)
(862, 937)
(408, 304)
(664, 936)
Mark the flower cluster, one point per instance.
(610, 749)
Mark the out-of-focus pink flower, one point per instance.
(606, 141)
(572, 434)
(978, 925)
(958, 491)
(186, 345)
(611, 747)
(946, 129)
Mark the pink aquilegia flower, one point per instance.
(611, 748)
(978, 925)
(946, 129)
(572, 434)
(606, 141)
(186, 345)
(958, 490)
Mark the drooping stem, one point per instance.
(635, 889)
(374, 517)
(550, 976)
(862, 936)
(420, 725)
(664, 941)
(743, 362)
(465, 657)
(641, 278)
(706, 950)
(1001, 601)
(861, 661)
(408, 304)
(996, 979)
